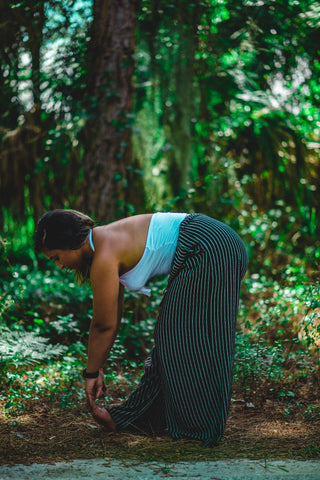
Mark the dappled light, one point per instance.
(122, 108)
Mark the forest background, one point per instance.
(120, 107)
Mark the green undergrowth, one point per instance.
(278, 340)
(45, 318)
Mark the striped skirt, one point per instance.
(186, 386)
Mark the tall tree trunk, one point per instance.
(108, 131)
(180, 133)
(178, 87)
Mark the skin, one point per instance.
(118, 248)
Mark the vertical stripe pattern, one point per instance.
(187, 382)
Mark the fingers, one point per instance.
(101, 390)
(98, 392)
(90, 402)
(94, 389)
(90, 394)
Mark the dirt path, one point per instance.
(47, 434)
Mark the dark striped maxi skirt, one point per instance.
(186, 387)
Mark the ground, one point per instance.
(49, 434)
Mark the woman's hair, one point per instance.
(63, 230)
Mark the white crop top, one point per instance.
(159, 251)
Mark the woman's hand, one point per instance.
(95, 388)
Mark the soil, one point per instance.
(46, 433)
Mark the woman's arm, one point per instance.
(107, 311)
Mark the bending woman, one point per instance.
(186, 386)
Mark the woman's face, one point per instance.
(66, 259)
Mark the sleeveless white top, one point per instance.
(159, 251)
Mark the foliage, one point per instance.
(19, 347)
(43, 72)
(245, 98)
(225, 120)
(247, 113)
(257, 364)
(274, 236)
(55, 381)
(279, 343)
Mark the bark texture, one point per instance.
(108, 130)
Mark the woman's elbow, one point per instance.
(101, 328)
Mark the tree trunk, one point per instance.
(178, 88)
(108, 131)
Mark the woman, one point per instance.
(186, 387)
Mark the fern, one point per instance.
(20, 347)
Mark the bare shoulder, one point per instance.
(130, 224)
(120, 245)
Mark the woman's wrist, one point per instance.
(86, 374)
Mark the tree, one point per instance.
(23, 139)
(38, 160)
(224, 112)
(199, 105)
(107, 135)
